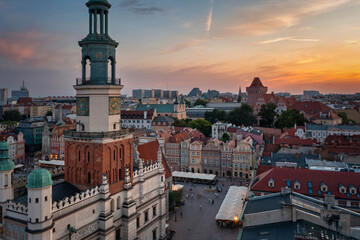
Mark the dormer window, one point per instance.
(296, 185)
(323, 187)
(352, 189)
(342, 189)
(271, 182)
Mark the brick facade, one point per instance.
(86, 162)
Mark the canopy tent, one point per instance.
(232, 205)
(190, 175)
(18, 166)
(177, 187)
(52, 163)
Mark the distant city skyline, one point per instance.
(291, 45)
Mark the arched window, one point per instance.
(111, 69)
(79, 156)
(118, 204)
(120, 153)
(6, 180)
(87, 69)
(114, 154)
(88, 156)
(89, 178)
(119, 174)
(112, 205)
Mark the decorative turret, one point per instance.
(6, 173)
(97, 47)
(127, 182)
(39, 185)
(159, 160)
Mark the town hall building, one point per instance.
(103, 195)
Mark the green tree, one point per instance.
(267, 114)
(202, 125)
(180, 122)
(9, 124)
(200, 101)
(12, 115)
(239, 98)
(344, 117)
(242, 116)
(225, 137)
(287, 119)
(215, 115)
(49, 113)
(187, 103)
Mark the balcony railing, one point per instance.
(97, 135)
(87, 81)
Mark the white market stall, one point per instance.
(196, 177)
(232, 206)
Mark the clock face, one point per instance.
(114, 105)
(82, 106)
(99, 55)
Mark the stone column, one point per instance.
(90, 22)
(113, 70)
(106, 23)
(83, 75)
(102, 22)
(95, 22)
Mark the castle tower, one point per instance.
(255, 90)
(40, 222)
(99, 145)
(6, 174)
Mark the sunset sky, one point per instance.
(211, 44)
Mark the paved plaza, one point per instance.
(200, 224)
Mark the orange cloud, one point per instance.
(29, 47)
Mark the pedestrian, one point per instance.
(181, 214)
(209, 200)
(200, 207)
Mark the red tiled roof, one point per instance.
(148, 151)
(67, 106)
(332, 179)
(136, 114)
(263, 168)
(271, 148)
(315, 109)
(295, 141)
(24, 100)
(4, 136)
(178, 138)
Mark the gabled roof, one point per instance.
(25, 100)
(148, 151)
(163, 119)
(178, 138)
(308, 179)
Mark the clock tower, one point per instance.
(98, 145)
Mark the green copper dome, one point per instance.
(4, 145)
(39, 178)
(5, 163)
